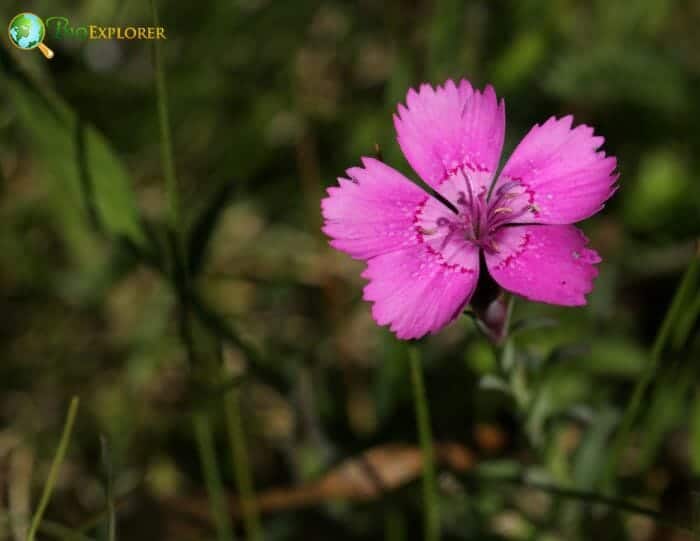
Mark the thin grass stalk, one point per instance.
(662, 338)
(241, 466)
(202, 428)
(212, 476)
(166, 147)
(430, 498)
(55, 468)
(581, 496)
(111, 509)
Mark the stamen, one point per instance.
(469, 188)
(500, 196)
(477, 220)
(503, 209)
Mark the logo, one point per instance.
(28, 31)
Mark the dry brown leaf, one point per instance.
(362, 478)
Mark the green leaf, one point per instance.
(493, 383)
(557, 392)
(614, 357)
(665, 413)
(76, 156)
(590, 458)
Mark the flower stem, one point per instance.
(430, 498)
(212, 476)
(55, 467)
(630, 415)
(166, 147)
(241, 466)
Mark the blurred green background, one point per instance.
(270, 101)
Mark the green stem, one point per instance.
(3, 180)
(202, 427)
(643, 383)
(99, 517)
(674, 311)
(203, 432)
(111, 510)
(166, 147)
(241, 466)
(430, 498)
(212, 476)
(577, 495)
(55, 467)
(685, 326)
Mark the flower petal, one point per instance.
(372, 212)
(419, 280)
(546, 263)
(449, 127)
(562, 176)
(417, 292)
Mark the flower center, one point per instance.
(478, 216)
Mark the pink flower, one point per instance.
(423, 257)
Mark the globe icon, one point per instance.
(27, 31)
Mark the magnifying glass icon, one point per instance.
(27, 31)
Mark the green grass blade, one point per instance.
(241, 466)
(109, 482)
(684, 294)
(212, 476)
(55, 468)
(166, 146)
(430, 497)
